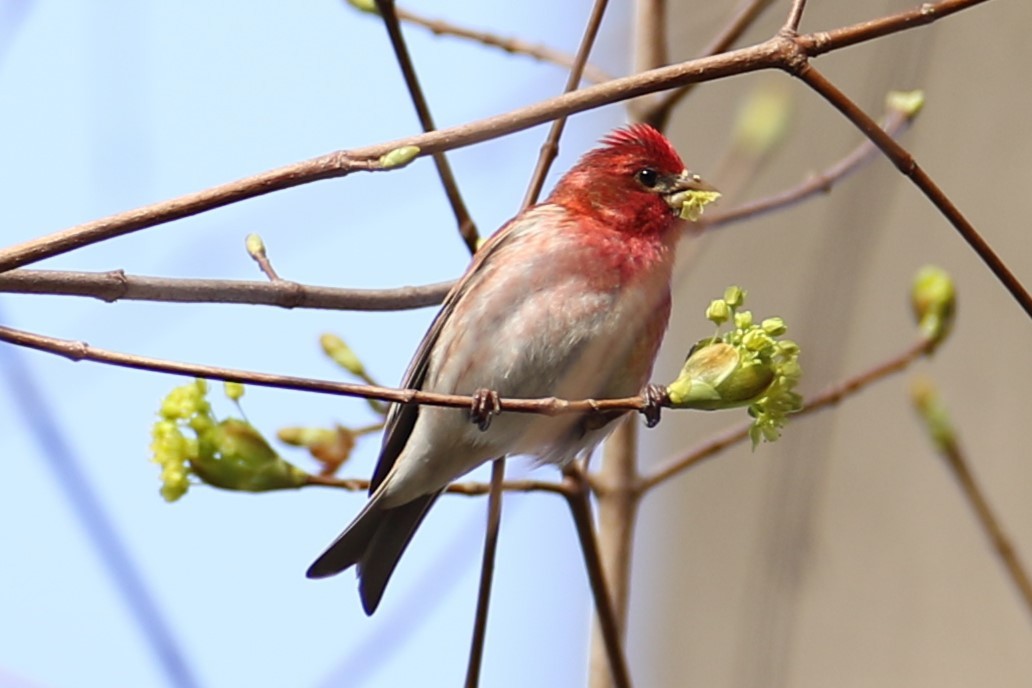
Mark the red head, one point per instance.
(629, 182)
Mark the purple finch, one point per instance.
(570, 299)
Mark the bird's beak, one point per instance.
(683, 187)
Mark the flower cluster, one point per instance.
(188, 441)
(748, 366)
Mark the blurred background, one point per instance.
(842, 555)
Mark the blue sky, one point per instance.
(112, 106)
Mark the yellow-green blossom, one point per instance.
(934, 301)
(747, 366)
(188, 441)
(342, 354)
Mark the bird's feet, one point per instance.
(486, 405)
(656, 398)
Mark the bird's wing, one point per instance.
(402, 417)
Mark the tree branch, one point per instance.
(773, 53)
(467, 228)
(81, 351)
(467, 489)
(510, 45)
(550, 148)
(115, 285)
(895, 123)
(658, 113)
(578, 499)
(494, 522)
(906, 164)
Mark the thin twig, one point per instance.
(468, 489)
(825, 399)
(115, 285)
(770, 54)
(494, 521)
(510, 45)
(989, 522)
(895, 123)
(906, 164)
(467, 228)
(932, 411)
(578, 498)
(615, 488)
(658, 112)
(795, 15)
(550, 148)
(81, 351)
(256, 249)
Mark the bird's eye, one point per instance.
(647, 177)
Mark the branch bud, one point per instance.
(934, 302)
(399, 157)
(342, 354)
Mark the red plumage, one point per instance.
(569, 299)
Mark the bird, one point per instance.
(569, 299)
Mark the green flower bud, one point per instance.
(925, 398)
(399, 157)
(305, 437)
(172, 450)
(718, 312)
(775, 327)
(764, 120)
(715, 377)
(342, 355)
(934, 302)
(734, 296)
(234, 456)
(907, 102)
(743, 320)
(233, 390)
(756, 339)
(255, 246)
(185, 401)
(365, 6)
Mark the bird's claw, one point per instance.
(656, 398)
(486, 405)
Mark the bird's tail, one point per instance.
(374, 541)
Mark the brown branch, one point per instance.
(550, 148)
(467, 489)
(615, 488)
(494, 522)
(820, 42)
(467, 228)
(906, 164)
(81, 351)
(578, 498)
(510, 45)
(948, 447)
(825, 399)
(770, 54)
(658, 113)
(795, 15)
(115, 285)
(895, 123)
(256, 249)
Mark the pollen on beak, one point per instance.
(689, 194)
